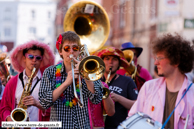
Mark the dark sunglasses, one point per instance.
(74, 48)
(30, 56)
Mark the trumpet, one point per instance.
(19, 114)
(106, 91)
(132, 69)
(80, 101)
(91, 68)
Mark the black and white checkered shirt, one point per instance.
(74, 117)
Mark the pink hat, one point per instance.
(17, 54)
(112, 51)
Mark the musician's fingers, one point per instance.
(25, 98)
(112, 93)
(76, 71)
(75, 60)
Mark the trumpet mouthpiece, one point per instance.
(71, 56)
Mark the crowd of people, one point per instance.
(54, 93)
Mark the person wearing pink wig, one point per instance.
(23, 58)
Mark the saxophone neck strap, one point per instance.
(21, 78)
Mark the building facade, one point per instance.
(133, 21)
(8, 23)
(25, 20)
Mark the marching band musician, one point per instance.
(97, 111)
(56, 89)
(144, 75)
(24, 58)
(123, 89)
(158, 98)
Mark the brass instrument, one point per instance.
(132, 69)
(106, 91)
(80, 101)
(19, 114)
(4, 73)
(91, 68)
(90, 21)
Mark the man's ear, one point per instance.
(176, 65)
(24, 58)
(60, 53)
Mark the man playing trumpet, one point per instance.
(123, 89)
(24, 58)
(56, 89)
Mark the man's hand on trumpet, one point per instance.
(69, 79)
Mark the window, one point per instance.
(153, 9)
(49, 14)
(33, 13)
(41, 39)
(163, 27)
(7, 32)
(7, 14)
(32, 30)
(122, 16)
(49, 31)
(7, 10)
(7, 18)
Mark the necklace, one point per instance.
(58, 83)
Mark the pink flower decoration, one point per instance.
(59, 41)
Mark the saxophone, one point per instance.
(19, 114)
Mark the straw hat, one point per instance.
(112, 51)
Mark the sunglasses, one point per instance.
(74, 48)
(30, 56)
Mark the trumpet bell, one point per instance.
(105, 92)
(129, 55)
(92, 68)
(90, 21)
(19, 115)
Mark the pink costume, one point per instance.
(8, 102)
(142, 72)
(151, 101)
(96, 112)
(16, 57)
(145, 74)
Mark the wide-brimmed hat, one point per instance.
(112, 51)
(17, 54)
(129, 45)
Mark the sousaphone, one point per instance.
(90, 21)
